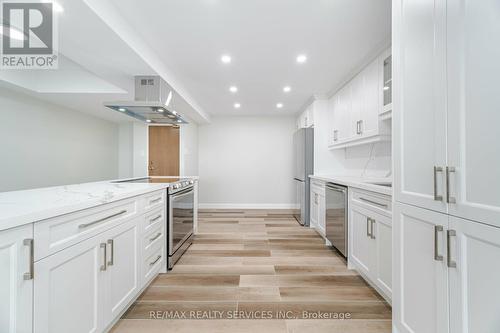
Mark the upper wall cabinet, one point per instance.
(306, 118)
(359, 109)
(446, 99)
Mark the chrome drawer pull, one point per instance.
(155, 261)
(111, 261)
(155, 237)
(437, 229)
(155, 219)
(86, 225)
(436, 196)
(449, 198)
(104, 266)
(372, 235)
(368, 223)
(154, 201)
(30, 274)
(451, 263)
(373, 202)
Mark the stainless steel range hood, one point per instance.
(153, 102)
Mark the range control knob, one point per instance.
(176, 186)
(191, 182)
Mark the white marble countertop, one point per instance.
(27, 206)
(358, 182)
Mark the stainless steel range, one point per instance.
(180, 212)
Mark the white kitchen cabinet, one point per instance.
(474, 293)
(473, 110)
(123, 269)
(306, 118)
(363, 247)
(420, 294)
(16, 281)
(70, 289)
(318, 212)
(383, 234)
(419, 100)
(355, 110)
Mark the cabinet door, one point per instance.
(314, 210)
(363, 247)
(322, 214)
(357, 105)
(16, 290)
(474, 292)
(383, 235)
(419, 101)
(69, 289)
(122, 274)
(343, 114)
(369, 116)
(473, 104)
(419, 297)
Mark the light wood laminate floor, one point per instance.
(247, 265)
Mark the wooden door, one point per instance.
(420, 293)
(16, 301)
(69, 289)
(419, 115)
(474, 292)
(164, 151)
(473, 62)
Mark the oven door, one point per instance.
(181, 218)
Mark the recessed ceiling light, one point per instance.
(301, 58)
(237, 105)
(174, 112)
(179, 121)
(287, 89)
(160, 110)
(225, 59)
(233, 89)
(122, 109)
(279, 105)
(148, 120)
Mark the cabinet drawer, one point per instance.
(152, 263)
(154, 200)
(153, 220)
(374, 201)
(153, 237)
(61, 232)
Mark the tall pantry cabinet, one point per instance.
(446, 111)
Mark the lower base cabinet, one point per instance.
(447, 273)
(16, 281)
(85, 287)
(370, 250)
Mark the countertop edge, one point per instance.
(354, 184)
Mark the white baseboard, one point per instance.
(246, 206)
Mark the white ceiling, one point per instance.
(263, 38)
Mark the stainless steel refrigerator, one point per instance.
(303, 142)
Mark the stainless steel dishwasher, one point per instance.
(336, 216)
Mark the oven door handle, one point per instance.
(182, 192)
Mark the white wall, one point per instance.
(246, 162)
(189, 149)
(370, 160)
(42, 144)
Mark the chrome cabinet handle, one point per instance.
(360, 127)
(449, 198)
(86, 225)
(437, 230)
(154, 201)
(155, 261)
(357, 127)
(368, 227)
(335, 135)
(373, 202)
(436, 196)
(30, 274)
(316, 198)
(154, 219)
(155, 237)
(111, 261)
(104, 264)
(372, 236)
(450, 233)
